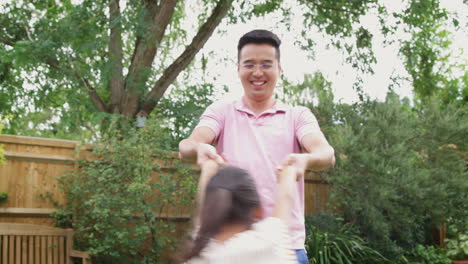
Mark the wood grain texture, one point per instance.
(4, 248)
(26, 243)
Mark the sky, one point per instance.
(330, 62)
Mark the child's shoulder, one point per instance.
(269, 222)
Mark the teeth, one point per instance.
(258, 83)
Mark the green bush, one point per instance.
(112, 202)
(329, 241)
(3, 196)
(400, 170)
(400, 167)
(457, 242)
(427, 255)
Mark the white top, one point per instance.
(267, 242)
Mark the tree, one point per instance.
(78, 59)
(75, 62)
(96, 54)
(426, 54)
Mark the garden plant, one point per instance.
(118, 201)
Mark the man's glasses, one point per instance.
(251, 67)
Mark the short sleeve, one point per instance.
(213, 118)
(305, 122)
(266, 243)
(273, 229)
(276, 232)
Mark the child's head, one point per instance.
(230, 198)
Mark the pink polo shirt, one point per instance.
(259, 144)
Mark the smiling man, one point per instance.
(260, 133)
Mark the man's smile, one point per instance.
(258, 84)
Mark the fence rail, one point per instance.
(34, 164)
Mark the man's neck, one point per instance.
(258, 107)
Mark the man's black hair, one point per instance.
(259, 36)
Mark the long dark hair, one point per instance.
(230, 197)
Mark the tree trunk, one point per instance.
(157, 19)
(171, 73)
(115, 57)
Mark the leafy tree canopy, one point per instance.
(66, 65)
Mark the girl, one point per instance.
(229, 211)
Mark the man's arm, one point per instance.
(318, 156)
(198, 148)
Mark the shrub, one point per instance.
(400, 170)
(457, 243)
(113, 201)
(3, 196)
(330, 241)
(422, 254)
(400, 167)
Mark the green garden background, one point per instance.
(132, 77)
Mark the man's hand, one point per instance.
(188, 148)
(287, 174)
(298, 161)
(207, 152)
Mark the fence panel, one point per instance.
(34, 164)
(29, 177)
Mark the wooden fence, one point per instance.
(34, 164)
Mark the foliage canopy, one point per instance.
(65, 66)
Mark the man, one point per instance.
(260, 133)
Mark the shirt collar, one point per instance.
(276, 108)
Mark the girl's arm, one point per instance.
(285, 192)
(208, 169)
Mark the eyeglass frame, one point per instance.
(264, 67)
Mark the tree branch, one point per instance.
(115, 57)
(12, 29)
(20, 34)
(157, 18)
(334, 8)
(95, 98)
(7, 41)
(171, 73)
